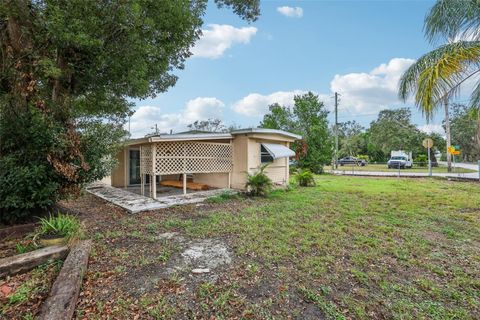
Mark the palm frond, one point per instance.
(453, 20)
(475, 99)
(439, 73)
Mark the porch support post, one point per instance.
(154, 179)
(126, 157)
(184, 183)
(231, 165)
(150, 186)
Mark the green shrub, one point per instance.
(315, 168)
(258, 183)
(40, 164)
(61, 225)
(289, 187)
(422, 160)
(363, 157)
(305, 178)
(292, 170)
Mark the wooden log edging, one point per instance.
(22, 228)
(27, 261)
(61, 302)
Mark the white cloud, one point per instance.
(372, 91)
(432, 128)
(220, 37)
(201, 108)
(291, 12)
(256, 104)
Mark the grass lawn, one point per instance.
(416, 168)
(349, 248)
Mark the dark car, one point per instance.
(352, 161)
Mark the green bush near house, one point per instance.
(258, 183)
(305, 178)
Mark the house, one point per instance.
(201, 160)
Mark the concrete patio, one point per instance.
(132, 201)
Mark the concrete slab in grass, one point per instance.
(134, 203)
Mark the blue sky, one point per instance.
(358, 48)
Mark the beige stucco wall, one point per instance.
(118, 174)
(240, 161)
(216, 180)
(277, 170)
(246, 158)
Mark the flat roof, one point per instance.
(210, 135)
(267, 131)
(181, 137)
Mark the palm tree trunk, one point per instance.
(447, 131)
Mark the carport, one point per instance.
(183, 158)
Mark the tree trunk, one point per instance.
(447, 131)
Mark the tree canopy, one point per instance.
(308, 118)
(465, 131)
(69, 70)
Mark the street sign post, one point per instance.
(428, 143)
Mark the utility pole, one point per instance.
(447, 132)
(336, 132)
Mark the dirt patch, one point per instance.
(195, 261)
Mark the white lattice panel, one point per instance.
(146, 159)
(187, 157)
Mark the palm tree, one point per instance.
(436, 76)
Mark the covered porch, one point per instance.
(168, 168)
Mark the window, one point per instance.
(265, 156)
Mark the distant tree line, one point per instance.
(392, 130)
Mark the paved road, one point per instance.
(470, 166)
(471, 175)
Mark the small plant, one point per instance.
(305, 178)
(289, 187)
(258, 183)
(27, 247)
(60, 226)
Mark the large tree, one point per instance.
(279, 118)
(465, 127)
(68, 72)
(308, 118)
(393, 130)
(437, 76)
(352, 138)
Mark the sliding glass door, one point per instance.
(134, 166)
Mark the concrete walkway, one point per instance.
(134, 203)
